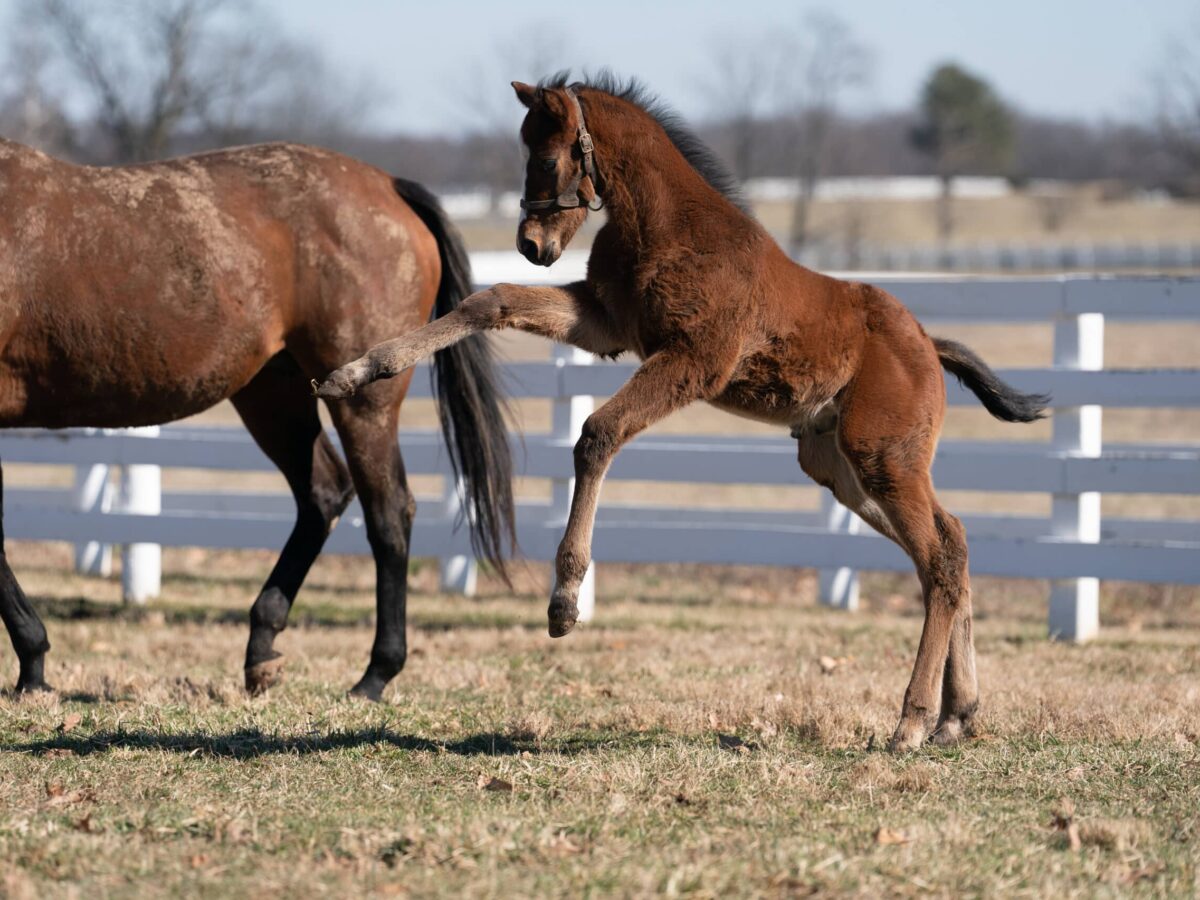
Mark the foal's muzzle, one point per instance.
(539, 256)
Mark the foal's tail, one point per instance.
(1000, 399)
(469, 400)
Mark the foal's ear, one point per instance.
(526, 93)
(555, 103)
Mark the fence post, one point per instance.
(838, 587)
(141, 493)
(569, 414)
(93, 493)
(459, 574)
(1075, 602)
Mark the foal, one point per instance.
(684, 277)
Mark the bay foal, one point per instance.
(685, 278)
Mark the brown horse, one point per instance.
(137, 295)
(683, 276)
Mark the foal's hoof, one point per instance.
(953, 730)
(344, 382)
(563, 614)
(263, 676)
(909, 736)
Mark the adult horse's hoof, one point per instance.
(33, 686)
(367, 689)
(263, 676)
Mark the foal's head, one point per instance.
(560, 174)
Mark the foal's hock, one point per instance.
(682, 276)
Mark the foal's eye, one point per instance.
(549, 165)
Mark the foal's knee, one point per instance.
(485, 309)
(596, 445)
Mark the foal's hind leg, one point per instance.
(25, 629)
(884, 478)
(282, 417)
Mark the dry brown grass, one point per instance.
(688, 742)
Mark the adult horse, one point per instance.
(683, 276)
(141, 294)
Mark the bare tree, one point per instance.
(737, 88)
(155, 69)
(821, 62)
(30, 110)
(491, 113)
(1177, 85)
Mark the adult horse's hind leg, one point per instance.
(367, 425)
(282, 417)
(25, 629)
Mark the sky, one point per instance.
(1083, 58)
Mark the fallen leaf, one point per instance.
(1064, 821)
(59, 796)
(69, 722)
(888, 837)
(1076, 773)
(1073, 841)
(1146, 871)
(499, 785)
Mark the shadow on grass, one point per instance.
(252, 743)
(312, 616)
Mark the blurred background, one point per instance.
(870, 135)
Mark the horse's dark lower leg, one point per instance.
(25, 629)
(369, 438)
(283, 419)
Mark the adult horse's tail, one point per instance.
(1002, 400)
(468, 398)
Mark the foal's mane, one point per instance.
(698, 154)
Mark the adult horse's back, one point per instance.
(137, 295)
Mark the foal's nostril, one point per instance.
(527, 249)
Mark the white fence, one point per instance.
(1072, 548)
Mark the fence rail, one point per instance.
(1072, 547)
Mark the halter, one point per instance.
(569, 198)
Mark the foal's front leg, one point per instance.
(569, 314)
(667, 381)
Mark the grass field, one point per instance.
(714, 733)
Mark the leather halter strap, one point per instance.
(570, 198)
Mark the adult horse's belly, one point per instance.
(132, 359)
